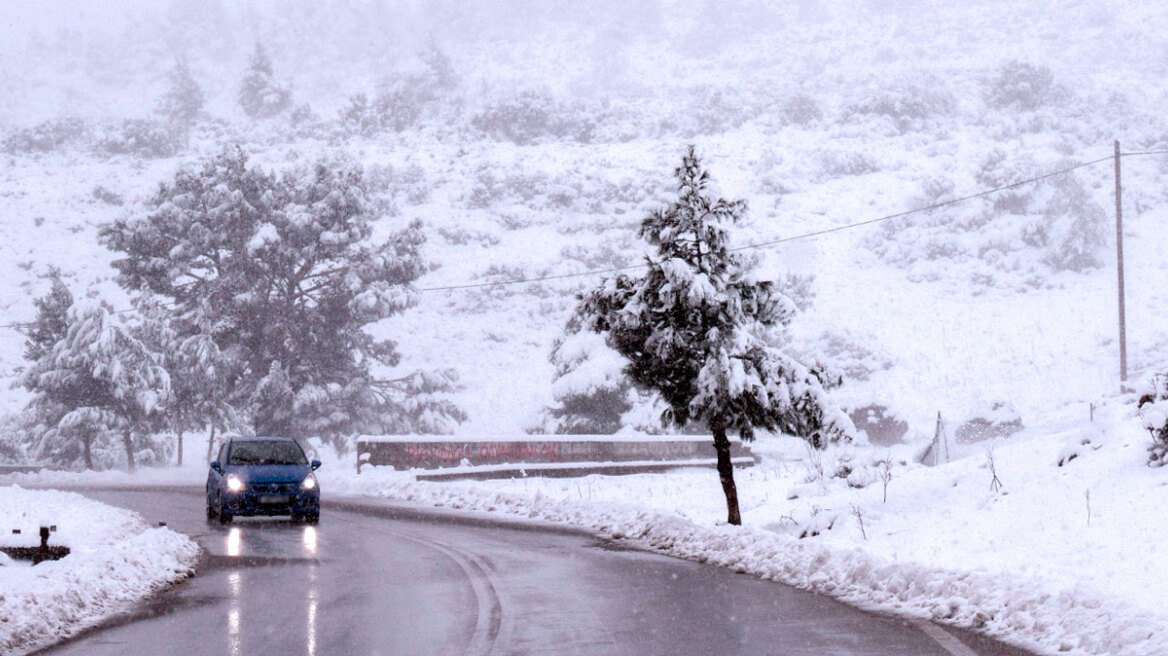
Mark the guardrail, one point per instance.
(444, 457)
(23, 469)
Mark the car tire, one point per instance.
(223, 513)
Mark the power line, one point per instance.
(763, 244)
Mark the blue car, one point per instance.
(262, 476)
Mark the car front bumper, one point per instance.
(273, 502)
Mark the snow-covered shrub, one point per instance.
(882, 425)
(533, 116)
(590, 389)
(797, 287)
(103, 195)
(406, 183)
(13, 440)
(907, 106)
(145, 138)
(260, 96)
(801, 109)
(715, 109)
(855, 356)
(1022, 86)
(1074, 448)
(843, 163)
(993, 420)
(1153, 409)
(46, 137)
(305, 123)
(397, 106)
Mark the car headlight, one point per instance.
(309, 482)
(234, 483)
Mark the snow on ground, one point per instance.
(115, 560)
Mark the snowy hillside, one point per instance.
(550, 148)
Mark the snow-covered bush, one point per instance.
(882, 425)
(801, 109)
(260, 96)
(591, 391)
(836, 163)
(989, 421)
(13, 440)
(103, 195)
(1022, 86)
(908, 106)
(45, 137)
(855, 356)
(1153, 409)
(715, 109)
(397, 106)
(533, 116)
(145, 138)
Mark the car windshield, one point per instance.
(266, 453)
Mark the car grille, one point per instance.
(273, 488)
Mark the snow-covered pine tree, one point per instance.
(198, 375)
(690, 328)
(183, 100)
(260, 96)
(99, 378)
(51, 321)
(282, 269)
(590, 389)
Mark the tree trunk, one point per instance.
(128, 443)
(87, 440)
(180, 436)
(726, 474)
(210, 442)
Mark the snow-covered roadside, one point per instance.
(115, 559)
(1058, 559)
(1021, 563)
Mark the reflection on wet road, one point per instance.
(375, 579)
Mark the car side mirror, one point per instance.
(216, 466)
(315, 465)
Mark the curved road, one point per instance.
(374, 578)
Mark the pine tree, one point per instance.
(690, 328)
(591, 391)
(51, 322)
(183, 100)
(98, 378)
(198, 374)
(281, 272)
(259, 94)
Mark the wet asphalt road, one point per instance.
(373, 578)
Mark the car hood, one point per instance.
(269, 473)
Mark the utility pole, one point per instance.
(1119, 269)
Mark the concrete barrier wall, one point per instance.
(438, 452)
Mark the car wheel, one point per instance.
(210, 512)
(224, 514)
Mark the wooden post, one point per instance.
(1119, 270)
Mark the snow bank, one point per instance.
(116, 560)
